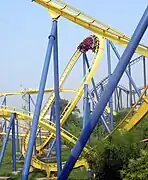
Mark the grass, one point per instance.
(6, 168)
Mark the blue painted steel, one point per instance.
(40, 135)
(110, 87)
(130, 86)
(126, 71)
(6, 139)
(29, 107)
(57, 103)
(103, 119)
(89, 174)
(32, 101)
(51, 147)
(17, 136)
(5, 124)
(39, 100)
(85, 99)
(93, 82)
(51, 112)
(109, 75)
(13, 147)
(29, 103)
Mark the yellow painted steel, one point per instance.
(20, 135)
(135, 115)
(6, 112)
(63, 77)
(58, 8)
(68, 109)
(35, 91)
(96, 60)
(138, 115)
(125, 124)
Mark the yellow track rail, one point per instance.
(6, 112)
(66, 72)
(35, 91)
(126, 124)
(137, 112)
(68, 109)
(96, 60)
(58, 8)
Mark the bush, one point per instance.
(137, 169)
(109, 156)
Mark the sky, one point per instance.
(24, 31)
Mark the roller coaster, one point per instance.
(98, 102)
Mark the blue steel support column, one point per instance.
(40, 135)
(17, 136)
(109, 75)
(96, 94)
(57, 103)
(127, 73)
(85, 102)
(109, 89)
(13, 147)
(4, 103)
(85, 99)
(6, 139)
(29, 107)
(130, 86)
(51, 112)
(39, 100)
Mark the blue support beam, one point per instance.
(29, 107)
(51, 147)
(57, 102)
(17, 137)
(85, 104)
(130, 86)
(51, 112)
(32, 138)
(85, 99)
(103, 119)
(109, 75)
(4, 124)
(13, 147)
(6, 138)
(108, 91)
(126, 71)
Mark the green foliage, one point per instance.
(74, 121)
(142, 128)
(120, 115)
(137, 169)
(109, 156)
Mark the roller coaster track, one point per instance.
(68, 109)
(138, 111)
(97, 46)
(6, 112)
(35, 91)
(134, 116)
(59, 8)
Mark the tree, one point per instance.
(109, 156)
(137, 169)
(74, 120)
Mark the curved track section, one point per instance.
(6, 112)
(59, 8)
(94, 43)
(131, 119)
(97, 47)
(135, 115)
